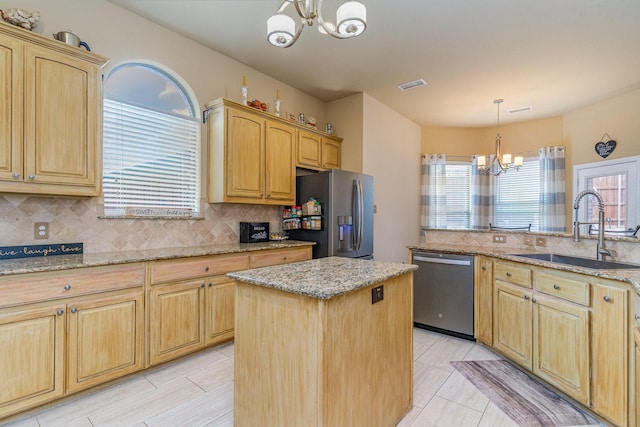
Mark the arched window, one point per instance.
(151, 144)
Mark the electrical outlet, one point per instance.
(541, 241)
(528, 241)
(377, 294)
(499, 238)
(41, 230)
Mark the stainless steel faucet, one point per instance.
(601, 248)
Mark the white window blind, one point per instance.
(151, 159)
(458, 209)
(518, 196)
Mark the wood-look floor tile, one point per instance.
(460, 390)
(494, 417)
(199, 411)
(445, 413)
(224, 421)
(445, 350)
(427, 380)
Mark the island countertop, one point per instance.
(323, 278)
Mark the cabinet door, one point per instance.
(105, 339)
(62, 118)
(280, 163)
(331, 154)
(484, 300)
(220, 309)
(309, 150)
(610, 353)
(10, 109)
(637, 367)
(244, 155)
(512, 327)
(32, 357)
(561, 346)
(177, 313)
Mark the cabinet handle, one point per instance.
(74, 310)
(203, 285)
(206, 268)
(484, 268)
(607, 298)
(508, 274)
(60, 312)
(32, 177)
(210, 284)
(556, 286)
(526, 297)
(16, 175)
(67, 287)
(533, 300)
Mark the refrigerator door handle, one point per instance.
(360, 213)
(354, 209)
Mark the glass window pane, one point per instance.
(613, 190)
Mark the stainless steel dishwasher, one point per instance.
(443, 293)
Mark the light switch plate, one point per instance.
(541, 241)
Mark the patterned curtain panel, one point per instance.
(483, 199)
(552, 189)
(433, 199)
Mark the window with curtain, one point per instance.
(518, 196)
(151, 144)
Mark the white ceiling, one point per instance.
(554, 55)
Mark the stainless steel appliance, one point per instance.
(443, 293)
(346, 199)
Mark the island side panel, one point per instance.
(368, 356)
(276, 358)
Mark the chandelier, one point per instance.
(498, 163)
(351, 21)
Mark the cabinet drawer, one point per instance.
(35, 287)
(570, 289)
(280, 257)
(193, 268)
(512, 273)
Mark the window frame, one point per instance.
(196, 115)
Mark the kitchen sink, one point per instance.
(579, 262)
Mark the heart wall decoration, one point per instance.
(604, 149)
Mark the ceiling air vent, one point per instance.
(412, 85)
(520, 109)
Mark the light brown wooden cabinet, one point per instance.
(251, 157)
(610, 337)
(636, 335)
(52, 122)
(66, 331)
(192, 302)
(547, 335)
(483, 270)
(318, 152)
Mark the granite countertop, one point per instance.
(63, 262)
(323, 278)
(625, 275)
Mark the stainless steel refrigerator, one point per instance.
(346, 199)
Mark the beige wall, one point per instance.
(346, 114)
(392, 155)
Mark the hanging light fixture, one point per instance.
(500, 162)
(351, 21)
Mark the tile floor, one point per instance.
(198, 391)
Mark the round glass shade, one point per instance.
(351, 18)
(280, 30)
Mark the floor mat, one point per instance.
(526, 401)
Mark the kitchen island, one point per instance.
(326, 342)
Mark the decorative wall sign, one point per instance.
(604, 149)
(28, 251)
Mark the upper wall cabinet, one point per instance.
(252, 155)
(50, 115)
(318, 152)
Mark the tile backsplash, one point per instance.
(76, 220)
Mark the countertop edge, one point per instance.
(64, 262)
